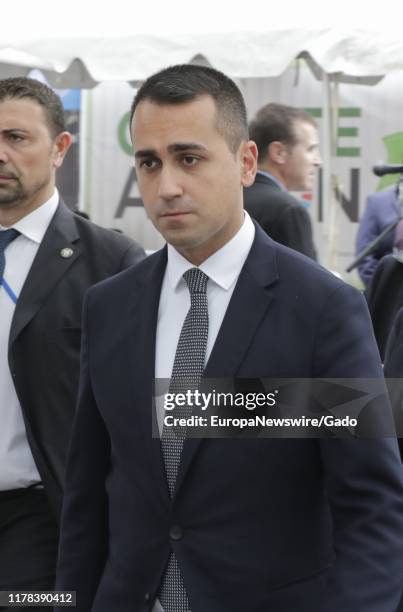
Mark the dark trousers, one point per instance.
(28, 543)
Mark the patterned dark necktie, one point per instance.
(186, 374)
(6, 236)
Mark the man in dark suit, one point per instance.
(381, 209)
(394, 370)
(385, 298)
(174, 522)
(49, 256)
(288, 156)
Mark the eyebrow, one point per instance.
(5, 130)
(176, 147)
(16, 129)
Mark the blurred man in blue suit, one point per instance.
(381, 209)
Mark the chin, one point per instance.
(180, 240)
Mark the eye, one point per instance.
(190, 160)
(15, 137)
(148, 164)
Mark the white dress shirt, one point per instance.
(17, 466)
(223, 269)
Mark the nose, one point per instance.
(318, 159)
(3, 155)
(169, 184)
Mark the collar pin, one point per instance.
(66, 253)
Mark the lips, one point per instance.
(174, 214)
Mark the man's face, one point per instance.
(29, 157)
(302, 158)
(189, 180)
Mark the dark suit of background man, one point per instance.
(54, 257)
(288, 156)
(394, 367)
(272, 525)
(385, 298)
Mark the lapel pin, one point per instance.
(66, 253)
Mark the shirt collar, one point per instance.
(34, 225)
(272, 178)
(222, 267)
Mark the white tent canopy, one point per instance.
(357, 55)
(79, 47)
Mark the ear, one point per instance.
(249, 163)
(61, 146)
(277, 152)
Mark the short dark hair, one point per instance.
(276, 122)
(19, 88)
(186, 82)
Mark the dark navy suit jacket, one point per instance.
(272, 525)
(44, 344)
(381, 210)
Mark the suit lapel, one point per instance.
(143, 313)
(248, 306)
(47, 268)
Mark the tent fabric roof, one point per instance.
(83, 62)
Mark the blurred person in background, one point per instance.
(381, 209)
(288, 158)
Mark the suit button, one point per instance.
(147, 597)
(175, 533)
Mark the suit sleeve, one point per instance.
(363, 477)
(83, 539)
(294, 229)
(368, 230)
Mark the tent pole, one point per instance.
(86, 142)
(328, 149)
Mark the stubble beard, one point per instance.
(16, 195)
(12, 194)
